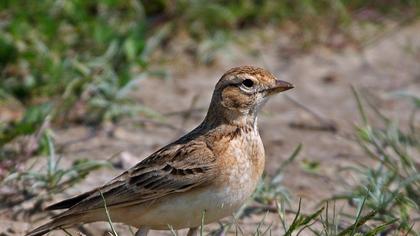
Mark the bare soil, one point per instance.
(322, 80)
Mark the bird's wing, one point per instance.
(175, 168)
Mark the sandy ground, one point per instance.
(322, 82)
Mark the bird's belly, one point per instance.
(185, 210)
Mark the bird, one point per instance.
(205, 175)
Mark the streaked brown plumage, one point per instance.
(214, 168)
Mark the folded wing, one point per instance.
(173, 169)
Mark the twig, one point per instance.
(325, 123)
(92, 134)
(66, 232)
(159, 123)
(184, 112)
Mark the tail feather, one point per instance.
(58, 223)
(64, 220)
(43, 229)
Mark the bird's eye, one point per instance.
(248, 83)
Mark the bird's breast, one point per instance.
(244, 164)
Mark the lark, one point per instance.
(210, 171)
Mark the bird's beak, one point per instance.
(280, 86)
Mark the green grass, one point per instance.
(390, 185)
(270, 188)
(74, 61)
(52, 178)
(77, 61)
(108, 216)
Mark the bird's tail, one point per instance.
(41, 230)
(61, 222)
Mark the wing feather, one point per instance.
(173, 169)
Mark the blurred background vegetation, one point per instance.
(76, 61)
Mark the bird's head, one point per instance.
(242, 91)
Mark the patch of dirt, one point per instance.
(322, 82)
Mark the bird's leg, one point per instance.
(142, 231)
(192, 231)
